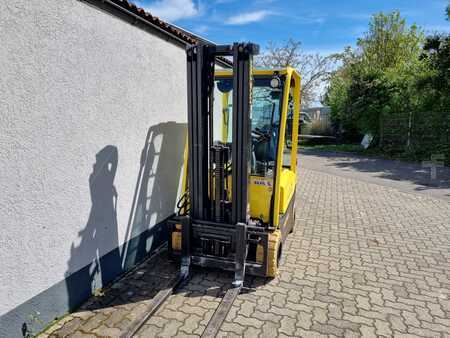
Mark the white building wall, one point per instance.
(80, 92)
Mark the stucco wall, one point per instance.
(92, 127)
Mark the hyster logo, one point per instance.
(262, 182)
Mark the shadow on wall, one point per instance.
(154, 200)
(156, 191)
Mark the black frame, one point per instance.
(199, 226)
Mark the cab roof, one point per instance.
(256, 71)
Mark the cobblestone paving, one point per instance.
(364, 260)
(111, 314)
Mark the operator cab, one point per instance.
(268, 91)
(266, 96)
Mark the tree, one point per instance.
(313, 67)
(337, 94)
(389, 42)
(377, 79)
(396, 86)
(436, 84)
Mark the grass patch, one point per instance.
(348, 148)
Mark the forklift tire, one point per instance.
(274, 254)
(176, 241)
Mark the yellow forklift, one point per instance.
(238, 200)
(238, 196)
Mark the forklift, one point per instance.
(237, 205)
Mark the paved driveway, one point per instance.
(408, 177)
(370, 256)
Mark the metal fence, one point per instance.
(421, 134)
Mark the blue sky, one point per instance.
(323, 26)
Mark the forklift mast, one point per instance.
(215, 228)
(207, 160)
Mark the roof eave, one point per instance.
(174, 32)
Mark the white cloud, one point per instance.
(221, 2)
(202, 29)
(172, 10)
(245, 18)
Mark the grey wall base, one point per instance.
(33, 315)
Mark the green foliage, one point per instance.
(386, 84)
(436, 83)
(389, 42)
(371, 82)
(338, 93)
(347, 148)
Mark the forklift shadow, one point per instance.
(213, 283)
(154, 199)
(141, 285)
(156, 192)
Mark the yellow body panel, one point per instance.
(260, 197)
(256, 72)
(287, 189)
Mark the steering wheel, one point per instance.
(260, 135)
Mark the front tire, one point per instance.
(274, 254)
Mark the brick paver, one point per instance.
(364, 260)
